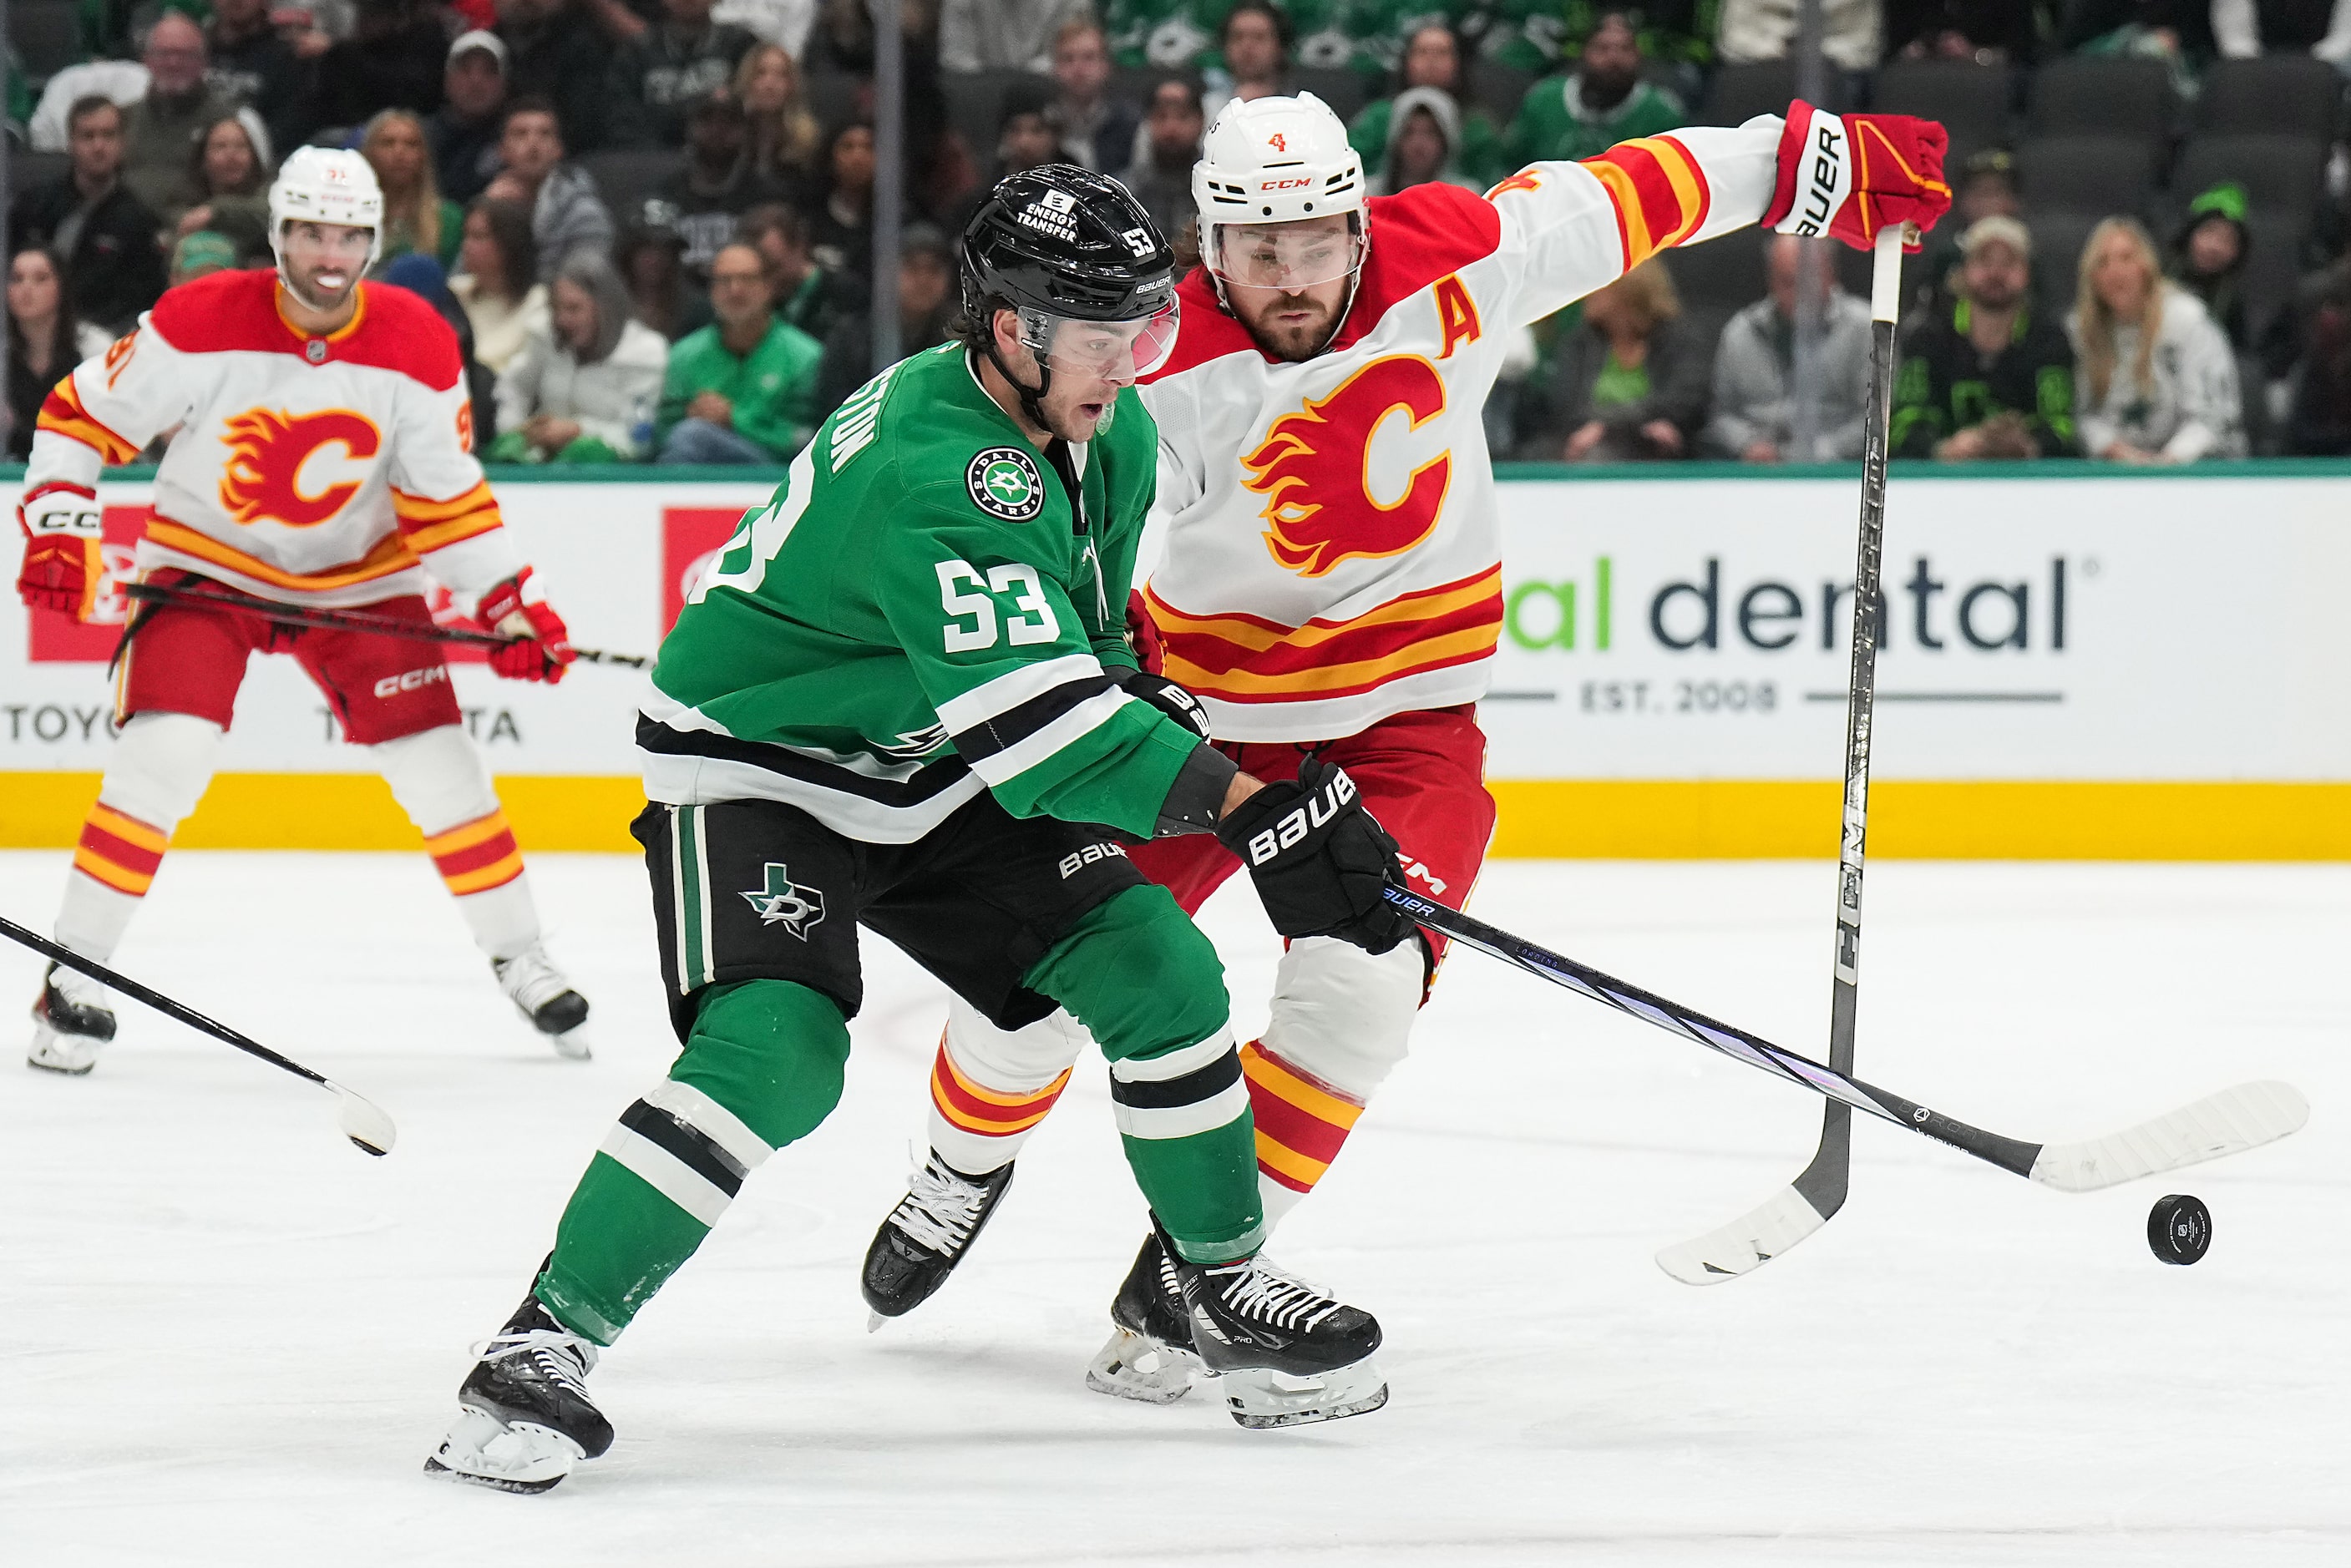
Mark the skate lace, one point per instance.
(530, 980)
(76, 988)
(939, 1209)
(562, 1359)
(1264, 1291)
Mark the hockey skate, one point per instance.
(524, 1415)
(1284, 1352)
(70, 1021)
(1149, 1356)
(926, 1235)
(542, 995)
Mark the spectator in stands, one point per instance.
(1161, 178)
(651, 261)
(424, 277)
(124, 82)
(584, 387)
(227, 186)
(716, 184)
(2208, 259)
(806, 294)
(1985, 187)
(2155, 377)
(1751, 30)
(465, 130)
(685, 59)
(742, 390)
(1984, 32)
(1003, 35)
(1025, 137)
(1602, 101)
(158, 130)
(394, 58)
(416, 218)
(927, 310)
(783, 23)
(1097, 128)
(785, 138)
(556, 54)
(89, 217)
(841, 227)
(46, 341)
(566, 214)
(1627, 385)
(498, 279)
(1754, 417)
(201, 254)
(2244, 28)
(1986, 378)
(252, 62)
(2175, 31)
(2319, 423)
(1424, 144)
(1432, 58)
(1253, 49)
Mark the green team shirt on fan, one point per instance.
(920, 614)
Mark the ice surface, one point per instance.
(227, 1337)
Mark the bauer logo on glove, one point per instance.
(1849, 176)
(1312, 814)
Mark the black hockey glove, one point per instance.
(1319, 859)
(1168, 697)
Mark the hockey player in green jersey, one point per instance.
(902, 698)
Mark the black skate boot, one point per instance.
(1149, 1356)
(1284, 1352)
(926, 1235)
(542, 995)
(70, 1021)
(525, 1417)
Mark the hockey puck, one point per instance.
(2180, 1228)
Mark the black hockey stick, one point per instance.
(2244, 1116)
(354, 620)
(1806, 1204)
(362, 1120)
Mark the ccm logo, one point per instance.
(1088, 856)
(1283, 184)
(412, 680)
(1301, 820)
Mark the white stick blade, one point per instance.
(1746, 1243)
(363, 1121)
(2234, 1120)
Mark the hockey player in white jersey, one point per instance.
(1330, 582)
(322, 459)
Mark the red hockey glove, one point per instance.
(515, 608)
(1850, 175)
(62, 564)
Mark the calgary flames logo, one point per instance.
(1313, 470)
(266, 452)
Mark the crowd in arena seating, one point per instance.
(651, 221)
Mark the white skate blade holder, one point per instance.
(1259, 1397)
(1134, 1366)
(487, 1452)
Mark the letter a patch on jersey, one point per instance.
(1004, 483)
(783, 903)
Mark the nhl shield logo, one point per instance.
(783, 903)
(1004, 483)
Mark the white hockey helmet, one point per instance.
(326, 185)
(1272, 160)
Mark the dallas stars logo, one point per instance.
(1004, 483)
(783, 903)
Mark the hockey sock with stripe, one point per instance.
(440, 779)
(991, 1087)
(160, 765)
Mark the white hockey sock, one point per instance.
(991, 1087)
(439, 780)
(159, 770)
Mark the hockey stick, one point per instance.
(2244, 1116)
(355, 620)
(1802, 1207)
(362, 1120)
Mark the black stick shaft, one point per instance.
(2009, 1154)
(155, 999)
(353, 620)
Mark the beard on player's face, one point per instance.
(1287, 324)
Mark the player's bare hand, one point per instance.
(542, 646)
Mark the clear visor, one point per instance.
(1292, 256)
(1119, 351)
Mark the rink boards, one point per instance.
(2090, 664)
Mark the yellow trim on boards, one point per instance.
(1549, 818)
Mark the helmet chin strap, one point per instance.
(1031, 402)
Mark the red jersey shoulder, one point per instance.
(223, 312)
(236, 312)
(399, 331)
(1204, 332)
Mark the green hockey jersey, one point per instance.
(919, 614)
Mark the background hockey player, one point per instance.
(322, 458)
(902, 697)
(1330, 582)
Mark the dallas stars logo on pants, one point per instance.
(783, 903)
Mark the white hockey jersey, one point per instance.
(1332, 554)
(314, 471)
